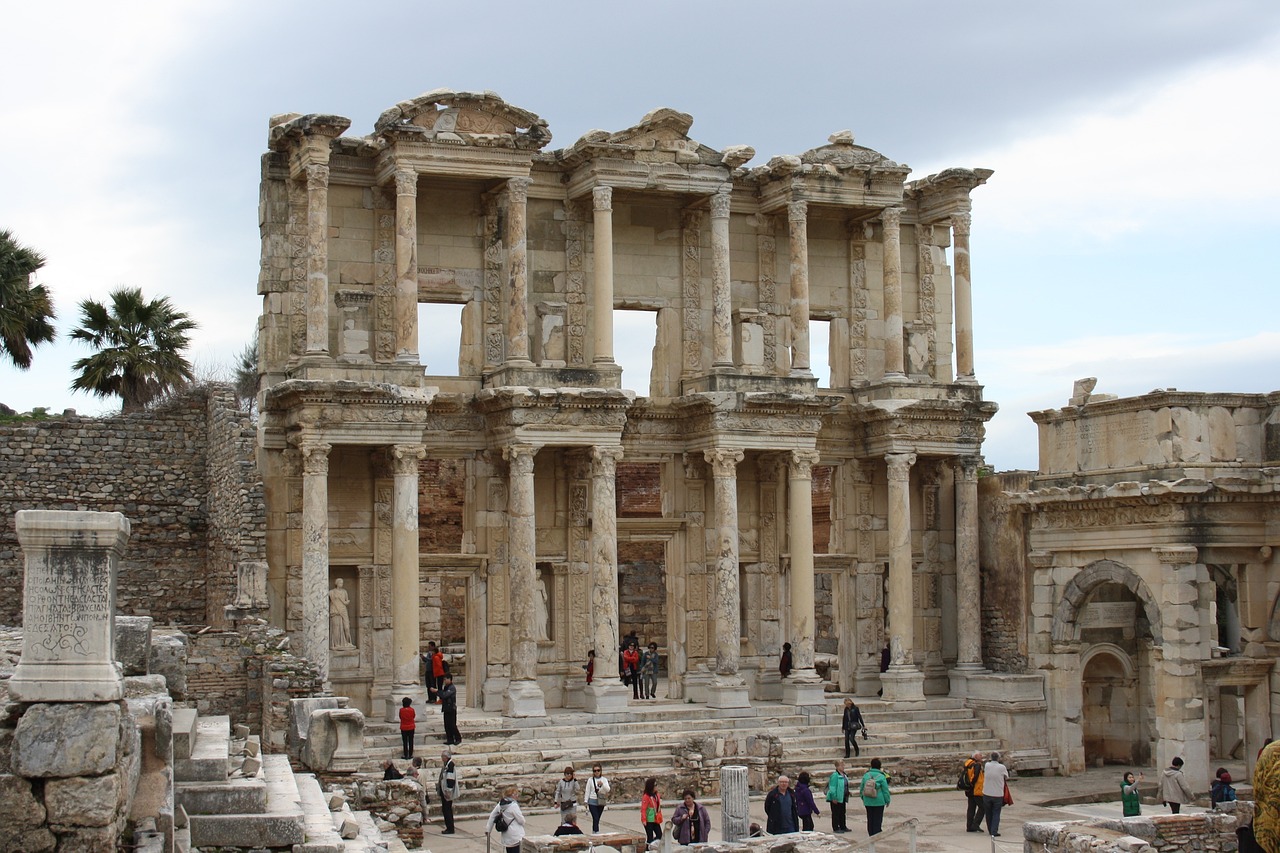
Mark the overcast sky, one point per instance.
(1129, 232)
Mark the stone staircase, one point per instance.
(259, 804)
(652, 738)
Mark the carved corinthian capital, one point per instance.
(960, 223)
(899, 465)
(798, 211)
(720, 202)
(602, 197)
(520, 457)
(406, 182)
(315, 457)
(800, 464)
(317, 177)
(518, 190)
(966, 468)
(723, 462)
(891, 218)
(405, 458)
(604, 460)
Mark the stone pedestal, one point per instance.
(803, 687)
(959, 677)
(903, 684)
(735, 818)
(418, 694)
(728, 692)
(606, 698)
(524, 699)
(69, 603)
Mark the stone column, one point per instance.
(602, 295)
(405, 620)
(517, 272)
(803, 686)
(524, 697)
(721, 293)
(317, 260)
(606, 693)
(407, 266)
(798, 219)
(894, 357)
(964, 297)
(1185, 599)
(968, 581)
(735, 818)
(728, 690)
(315, 554)
(68, 606)
(904, 681)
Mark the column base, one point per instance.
(803, 687)
(959, 677)
(728, 691)
(903, 684)
(524, 699)
(417, 693)
(606, 698)
(64, 681)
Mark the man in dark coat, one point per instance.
(780, 808)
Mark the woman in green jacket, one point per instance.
(837, 796)
(875, 780)
(1129, 795)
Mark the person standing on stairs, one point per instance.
(649, 660)
(449, 708)
(852, 723)
(447, 788)
(407, 727)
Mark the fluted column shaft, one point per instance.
(404, 563)
(315, 554)
(960, 223)
(901, 605)
(968, 589)
(406, 266)
(721, 291)
(724, 467)
(894, 357)
(317, 260)
(798, 220)
(800, 522)
(522, 561)
(602, 197)
(517, 272)
(604, 559)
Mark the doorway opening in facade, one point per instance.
(820, 351)
(635, 333)
(440, 338)
(1227, 609)
(1117, 678)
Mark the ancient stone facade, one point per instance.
(1140, 577)
(453, 198)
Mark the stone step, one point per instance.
(208, 756)
(184, 731)
(280, 825)
(230, 796)
(322, 835)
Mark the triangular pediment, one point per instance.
(467, 118)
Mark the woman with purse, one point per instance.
(651, 811)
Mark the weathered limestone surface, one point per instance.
(133, 644)
(735, 821)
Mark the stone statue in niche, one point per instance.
(340, 618)
(541, 601)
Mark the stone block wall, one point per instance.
(642, 592)
(442, 492)
(1002, 557)
(1210, 832)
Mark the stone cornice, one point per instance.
(1159, 399)
(1151, 492)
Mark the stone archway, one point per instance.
(1066, 627)
(1112, 722)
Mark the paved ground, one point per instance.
(941, 815)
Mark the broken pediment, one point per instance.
(289, 128)
(662, 136)
(467, 118)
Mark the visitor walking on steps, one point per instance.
(1174, 790)
(806, 808)
(631, 668)
(449, 709)
(649, 660)
(838, 797)
(507, 818)
(407, 727)
(780, 808)
(691, 822)
(447, 789)
(651, 811)
(995, 785)
(875, 796)
(851, 723)
(971, 784)
(596, 792)
(1130, 800)
(566, 796)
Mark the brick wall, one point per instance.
(442, 486)
(642, 595)
(639, 490)
(822, 509)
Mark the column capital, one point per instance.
(966, 468)
(960, 223)
(603, 455)
(891, 217)
(317, 177)
(800, 464)
(520, 455)
(899, 465)
(602, 198)
(723, 461)
(518, 190)
(405, 458)
(315, 456)
(406, 182)
(720, 200)
(798, 211)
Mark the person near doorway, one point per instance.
(631, 668)
(447, 789)
(408, 723)
(995, 779)
(691, 821)
(971, 779)
(438, 669)
(784, 663)
(875, 796)
(649, 660)
(428, 676)
(651, 811)
(449, 709)
(851, 723)
(1174, 790)
(806, 808)
(596, 793)
(1131, 802)
(780, 808)
(837, 797)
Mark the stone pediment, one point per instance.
(290, 128)
(479, 119)
(838, 157)
(662, 136)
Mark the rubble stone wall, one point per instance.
(1211, 832)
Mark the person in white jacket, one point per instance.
(512, 819)
(597, 792)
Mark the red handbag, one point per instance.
(1008, 798)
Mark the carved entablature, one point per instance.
(946, 193)
(566, 417)
(838, 173)
(929, 427)
(346, 412)
(305, 139)
(479, 119)
(753, 420)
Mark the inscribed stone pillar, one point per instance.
(605, 692)
(894, 357)
(602, 295)
(960, 223)
(317, 260)
(721, 293)
(404, 563)
(803, 686)
(406, 266)
(968, 591)
(903, 681)
(68, 606)
(798, 219)
(735, 819)
(315, 554)
(728, 689)
(524, 697)
(517, 272)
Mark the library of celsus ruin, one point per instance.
(520, 499)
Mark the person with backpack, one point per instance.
(507, 818)
(1221, 790)
(995, 782)
(875, 796)
(971, 783)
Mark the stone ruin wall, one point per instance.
(1211, 832)
(1002, 556)
(183, 473)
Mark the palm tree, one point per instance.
(25, 309)
(139, 344)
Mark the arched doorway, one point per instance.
(1112, 722)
